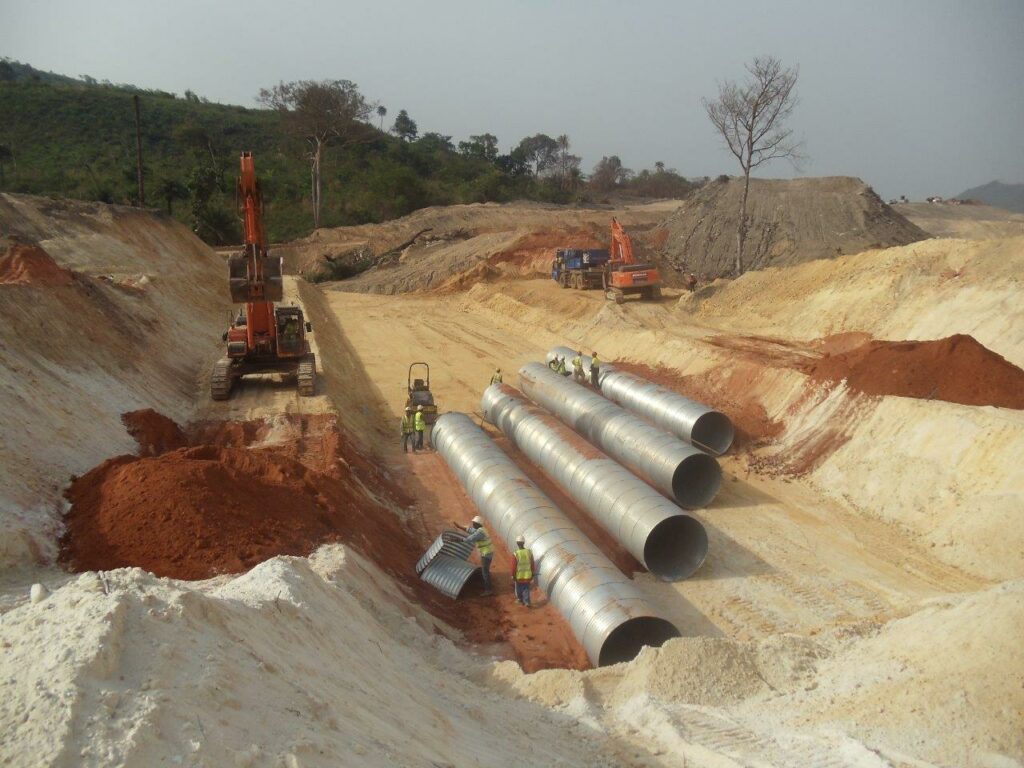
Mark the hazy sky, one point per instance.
(916, 97)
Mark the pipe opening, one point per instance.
(676, 547)
(626, 640)
(696, 481)
(713, 431)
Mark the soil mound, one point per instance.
(154, 432)
(196, 511)
(956, 369)
(31, 265)
(791, 221)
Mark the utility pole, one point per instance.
(138, 150)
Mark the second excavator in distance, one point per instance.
(623, 275)
(262, 338)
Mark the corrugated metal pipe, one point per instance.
(694, 422)
(678, 470)
(605, 610)
(670, 543)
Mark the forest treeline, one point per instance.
(75, 137)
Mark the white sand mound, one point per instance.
(298, 662)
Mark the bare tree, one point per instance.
(320, 113)
(751, 117)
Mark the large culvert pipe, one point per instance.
(694, 422)
(670, 543)
(678, 470)
(606, 612)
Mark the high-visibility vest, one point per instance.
(594, 362)
(577, 362)
(524, 571)
(407, 424)
(561, 366)
(496, 378)
(419, 423)
(484, 544)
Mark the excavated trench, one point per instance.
(219, 497)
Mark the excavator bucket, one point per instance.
(245, 288)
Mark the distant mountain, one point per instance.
(1007, 196)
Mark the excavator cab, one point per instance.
(418, 387)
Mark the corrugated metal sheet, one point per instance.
(450, 543)
(449, 574)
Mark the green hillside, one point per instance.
(76, 138)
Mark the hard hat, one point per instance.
(498, 370)
(520, 539)
(478, 520)
(419, 407)
(408, 407)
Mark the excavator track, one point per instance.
(307, 376)
(221, 380)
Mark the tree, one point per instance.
(751, 117)
(568, 173)
(540, 152)
(382, 112)
(404, 127)
(482, 147)
(321, 113)
(609, 173)
(6, 155)
(170, 189)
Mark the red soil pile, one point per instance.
(154, 432)
(31, 265)
(194, 512)
(956, 369)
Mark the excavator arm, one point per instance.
(622, 246)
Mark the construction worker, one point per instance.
(525, 571)
(595, 369)
(408, 430)
(560, 368)
(496, 376)
(553, 363)
(420, 425)
(478, 535)
(577, 367)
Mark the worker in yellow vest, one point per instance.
(408, 430)
(496, 376)
(595, 370)
(478, 535)
(577, 367)
(525, 572)
(420, 425)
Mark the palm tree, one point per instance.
(381, 112)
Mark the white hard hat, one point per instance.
(520, 539)
(478, 520)
(419, 407)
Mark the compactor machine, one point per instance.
(262, 338)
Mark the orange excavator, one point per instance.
(262, 338)
(623, 275)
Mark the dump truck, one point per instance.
(579, 268)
